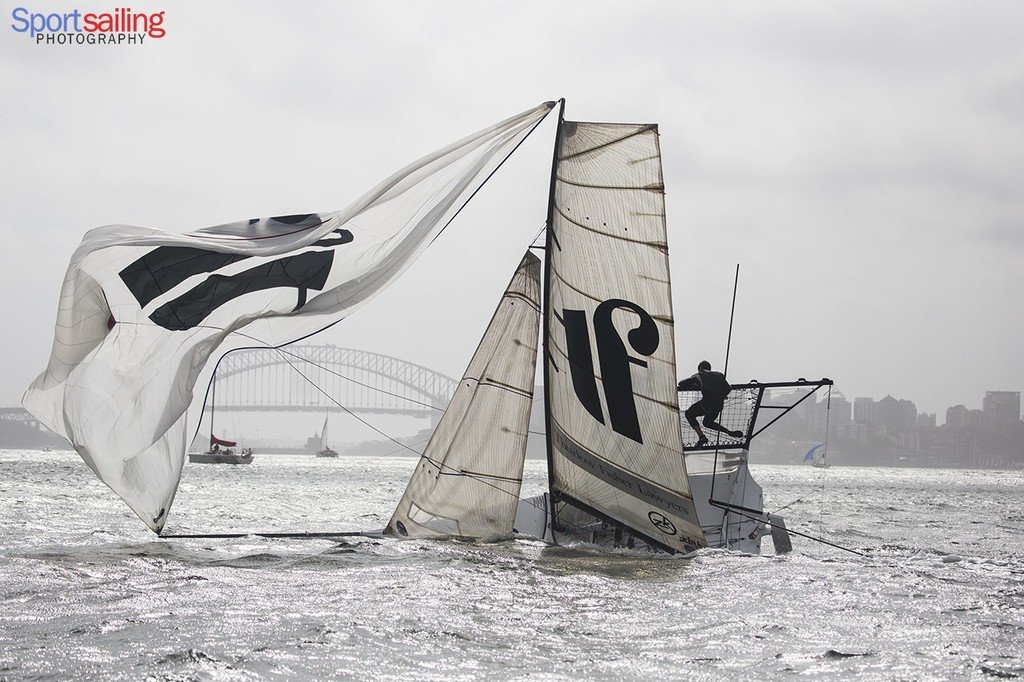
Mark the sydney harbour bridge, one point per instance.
(311, 378)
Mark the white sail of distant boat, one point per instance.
(325, 445)
(467, 482)
(142, 310)
(816, 456)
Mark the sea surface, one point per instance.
(87, 592)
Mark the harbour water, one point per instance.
(87, 592)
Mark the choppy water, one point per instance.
(86, 592)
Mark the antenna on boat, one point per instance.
(725, 371)
(732, 314)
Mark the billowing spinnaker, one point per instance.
(467, 482)
(142, 310)
(613, 422)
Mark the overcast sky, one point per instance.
(862, 161)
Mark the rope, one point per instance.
(306, 535)
(740, 512)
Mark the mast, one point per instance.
(546, 287)
(213, 402)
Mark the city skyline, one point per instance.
(940, 416)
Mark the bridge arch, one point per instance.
(317, 378)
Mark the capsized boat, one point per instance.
(620, 474)
(325, 449)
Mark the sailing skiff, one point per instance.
(142, 311)
(619, 473)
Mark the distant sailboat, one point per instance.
(221, 451)
(816, 456)
(325, 449)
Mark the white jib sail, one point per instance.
(611, 378)
(142, 310)
(467, 482)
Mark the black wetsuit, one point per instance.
(713, 388)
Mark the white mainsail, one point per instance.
(142, 310)
(324, 443)
(467, 482)
(615, 447)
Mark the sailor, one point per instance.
(713, 388)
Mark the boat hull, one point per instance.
(729, 504)
(220, 457)
(326, 453)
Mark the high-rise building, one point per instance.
(1002, 410)
(956, 417)
(899, 416)
(865, 411)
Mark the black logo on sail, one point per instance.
(614, 362)
(166, 267)
(662, 522)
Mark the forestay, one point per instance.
(610, 371)
(467, 482)
(142, 310)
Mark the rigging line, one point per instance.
(281, 351)
(490, 175)
(345, 409)
(284, 355)
(738, 512)
(725, 372)
(799, 499)
(732, 314)
(297, 535)
(479, 475)
(355, 381)
(405, 447)
(786, 506)
(536, 237)
(447, 470)
(828, 414)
